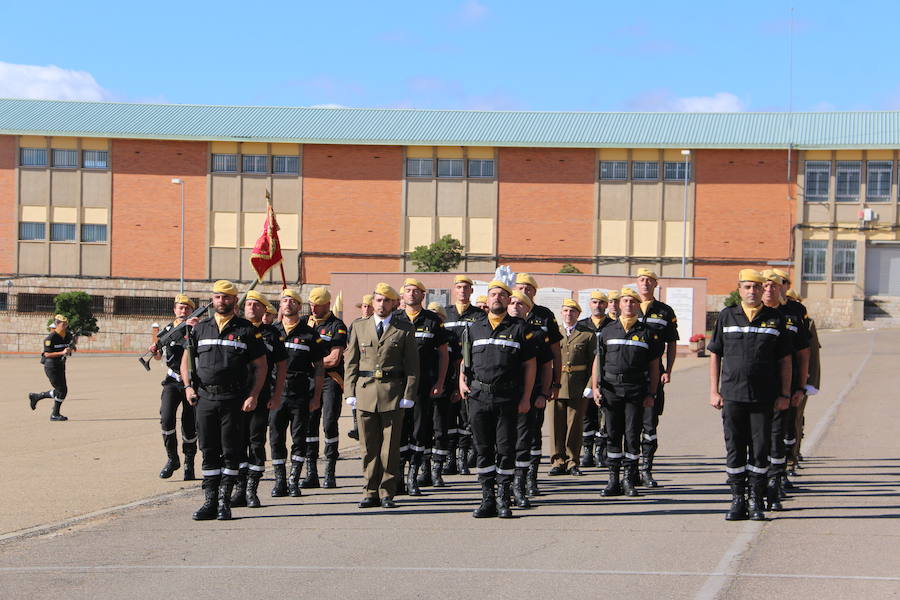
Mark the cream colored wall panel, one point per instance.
(480, 152)
(481, 236)
(286, 193)
(224, 148)
(674, 154)
(449, 152)
(881, 235)
(645, 203)
(226, 193)
(475, 265)
(225, 229)
(613, 153)
(674, 270)
(844, 289)
(65, 214)
(619, 268)
(96, 189)
(848, 155)
(66, 188)
(452, 226)
(32, 141)
(645, 154)
(614, 199)
(483, 199)
(94, 144)
(815, 234)
(418, 232)
(673, 236)
(844, 213)
(817, 155)
(644, 236)
(224, 263)
(289, 231)
(815, 290)
(673, 201)
(420, 198)
(34, 258)
(612, 238)
(291, 270)
(880, 155)
(254, 148)
(254, 193)
(253, 226)
(64, 143)
(96, 216)
(95, 260)
(451, 198)
(34, 214)
(247, 272)
(64, 258)
(286, 149)
(35, 186)
(419, 151)
(847, 235)
(816, 213)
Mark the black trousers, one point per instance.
(464, 430)
(327, 416)
(418, 429)
(623, 424)
(748, 429)
(253, 433)
(784, 435)
(219, 429)
(293, 413)
(493, 422)
(650, 417)
(55, 370)
(446, 414)
(528, 436)
(171, 398)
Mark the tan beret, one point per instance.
(367, 299)
(463, 279)
(614, 295)
(523, 298)
(383, 289)
(481, 300)
(414, 282)
(436, 307)
(289, 293)
(498, 284)
(793, 295)
(182, 299)
(571, 303)
(751, 275)
(598, 295)
(61, 318)
(783, 275)
(627, 291)
(319, 295)
(223, 286)
(770, 275)
(271, 309)
(254, 295)
(526, 278)
(644, 272)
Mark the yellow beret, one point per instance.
(367, 299)
(783, 275)
(254, 295)
(793, 295)
(436, 307)
(414, 282)
(289, 293)
(751, 275)
(523, 298)
(598, 295)
(572, 303)
(319, 295)
(481, 300)
(627, 291)
(383, 289)
(271, 309)
(500, 285)
(770, 275)
(182, 299)
(643, 272)
(614, 295)
(61, 318)
(223, 286)
(463, 279)
(527, 279)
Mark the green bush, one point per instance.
(76, 306)
(733, 299)
(569, 268)
(441, 256)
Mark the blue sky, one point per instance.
(459, 54)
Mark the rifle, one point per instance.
(176, 333)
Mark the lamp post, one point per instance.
(686, 154)
(180, 182)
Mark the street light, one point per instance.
(686, 154)
(180, 182)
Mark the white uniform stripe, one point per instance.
(312, 439)
(173, 375)
(490, 469)
(298, 459)
(268, 346)
(258, 468)
(218, 342)
(325, 337)
(189, 440)
(649, 438)
(168, 431)
(332, 440)
(758, 470)
(279, 461)
(496, 342)
(457, 324)
(736, 470)
(656, 321)
(211, 472)
(229, 471)
(627, 343)
(506, 471)
(777, 461)
(792, 328)
(612, 454)
(632, 456)
(294, 346)
(243, 465)
(424, 334)
(749, 329)
(523, 464)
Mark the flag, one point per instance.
(267, 251)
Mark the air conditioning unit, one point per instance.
(867, 215)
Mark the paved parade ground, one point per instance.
(84, 515)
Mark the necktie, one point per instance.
(379, 329)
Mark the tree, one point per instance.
(443, 255)
(76, 306)
(569, 268)
(733, 299)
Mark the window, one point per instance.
(93, 233)
(616, 170)
(419, 167)
(33, 157)
(32, 231)
(479, 167)
(878, 179)
(142, 305)
(224, 163)
(844, 260)
(645, 170)
(814, 259)
(62, 232)
(286, 164)
(818, 172)
(254, 163)
(65, 159)
(675, 171)
(95, 159)
(27, 303)
(450, 167)
(848, 177)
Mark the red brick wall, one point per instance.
(743, 213)
(546, 200)
(352, 203)
(146, 209)
(8, 206)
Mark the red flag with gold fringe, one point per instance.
(267, 251)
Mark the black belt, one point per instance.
(492, 388)
(625, 377)
(222, 388)
(383, 375)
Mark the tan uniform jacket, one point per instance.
(577, 351)
(394, 358)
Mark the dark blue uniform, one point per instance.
(171, 398)
(594, 428)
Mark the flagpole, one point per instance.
(283, 278)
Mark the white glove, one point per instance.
(351, 401)
(588, 393)
(404, 403)
(810, 390)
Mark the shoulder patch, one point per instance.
(318, 340)
(46, 342)
(528, 336)
(342, 331)
(258, 336)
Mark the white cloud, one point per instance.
(49, 83)
(665, 101)
(472, 12)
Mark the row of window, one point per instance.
(847, 180)
(843, 260)
(63, 159)
(61, 232)
(256, 163)
(644, 170)
(449, 167)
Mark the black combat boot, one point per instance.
(785, 484)
(503, 493)
(279, 490)
(190, 453)
(412, 480)
(33, 398)
(239, 497)
(437, 470)
(600, 455)
(173, 463)
(757, 499)
(531, 481)
(401, 481)
(519, 495)
(330, 480)
(587, 452)
(311, 480)
(613, 487)
(647, 471)
(208, 510)
(55, 416)
(294, 484)
(629, 479)
(738, 510)
(773, 493)
(488, 506)
(463, 461)
(425, 479)
(224, 512)
(253, 478)
(450, 464)
(471, 457)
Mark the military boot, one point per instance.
(471, 457)
(225, 488)
(738, 510)
(600, 455)
(311, 481)
(587, 453)
(629, 479)
(450, 464)
(279, 490)
(330, 480)
(531, 481)
(173, 463)
(253, 478)
(503, 493)
(613, 487)
(33, 398)
(647, 471)
(294, 484)
(412, 480)
(773, 493)
(208, 510)
(425, 479)
(190, 454)
(757, 499)
(519, 495)
(463, 461)
(55, 416)
(488, 506)
(239, 497)
(437, 470)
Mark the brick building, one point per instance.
(86, 192)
